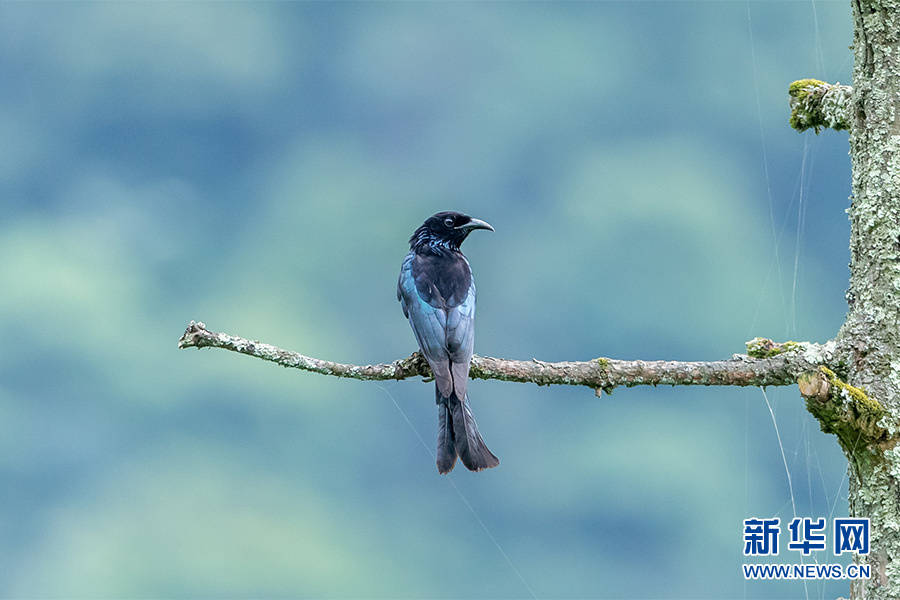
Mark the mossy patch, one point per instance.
(800, 88)
(861, 401)
(843, 409)
(818, 105)
(765, 348)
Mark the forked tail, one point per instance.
(458, 435)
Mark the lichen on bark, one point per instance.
(817, 105)
(870, 336)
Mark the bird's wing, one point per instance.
(429, 324)
(461, 340)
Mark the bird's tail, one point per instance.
(458, 436)
(446, 449)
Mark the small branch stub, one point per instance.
(817, 105)
(814, 386)
(842, 409)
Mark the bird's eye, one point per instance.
(448, 222)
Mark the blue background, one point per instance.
(260, 166)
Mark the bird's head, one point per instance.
(445, 231)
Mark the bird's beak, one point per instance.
(476, 224)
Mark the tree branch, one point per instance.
(780, 368)
(816, 104)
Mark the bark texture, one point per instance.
(871, 334)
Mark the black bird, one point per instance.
(437, 293)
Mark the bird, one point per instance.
(437, 293)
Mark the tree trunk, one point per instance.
(870, 337)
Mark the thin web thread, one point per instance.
(800, 222)
(462, 496)
(746, 464)
(820, 64)
(787, 471)
(774, 262)
(762, 137)
(820, 56)
(843, 477)
(806, 441)
(775, 237)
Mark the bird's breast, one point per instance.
(442, 280)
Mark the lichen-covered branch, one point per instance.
(599, 373)
(816, 105)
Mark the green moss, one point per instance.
(800, 88)
(862, 403)
(789, 346)
(765, 348)
(848, 412)
(817, 105)
(801, 117)
(604, 364)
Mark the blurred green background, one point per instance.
(260, 166)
